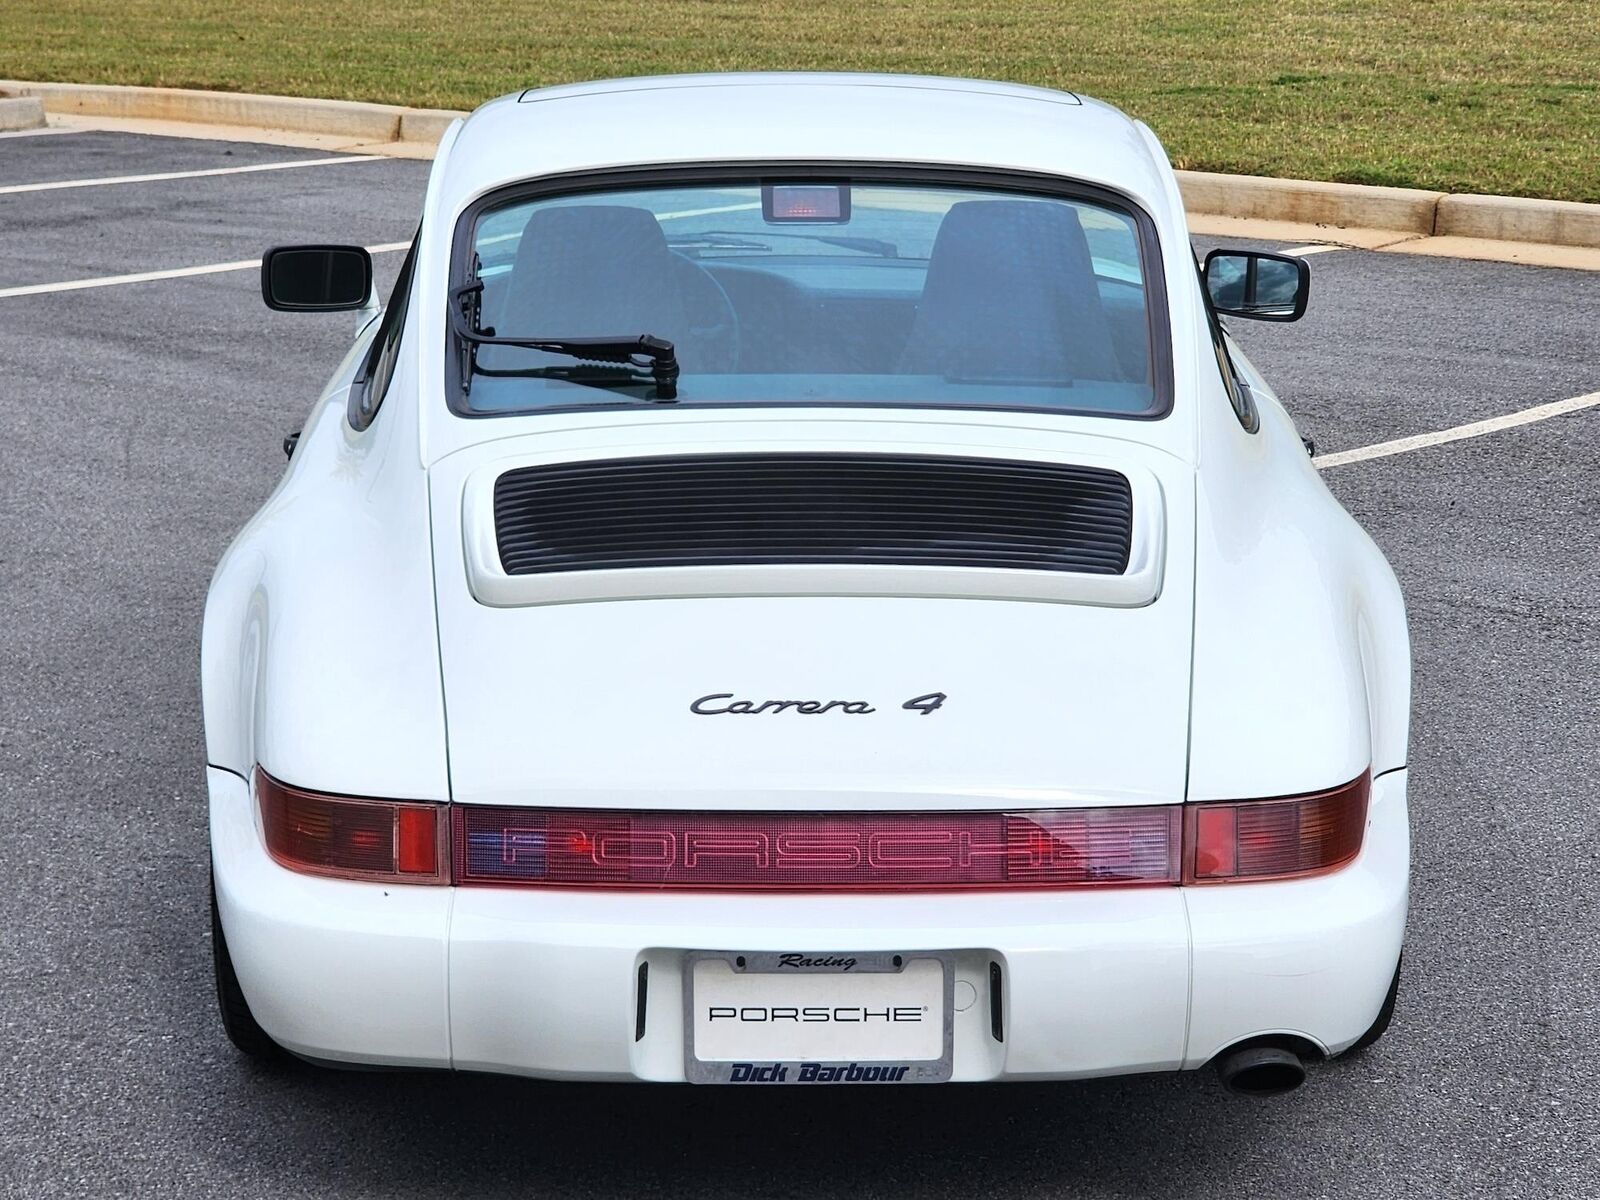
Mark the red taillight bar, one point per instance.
(1211, 843)
(816, 852)
(347, 838)
(1253, 840)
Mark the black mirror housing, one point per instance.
(316, 278)
(1257, 286)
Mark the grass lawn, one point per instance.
(1460, 95)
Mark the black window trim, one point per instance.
(1151, 261)
(357, 412)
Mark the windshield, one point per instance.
(806, 292)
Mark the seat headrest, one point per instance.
(593, 270)
(1011, 291)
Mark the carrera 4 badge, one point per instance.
(720, 704)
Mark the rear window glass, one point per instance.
(811, 291)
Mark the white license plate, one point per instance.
(817, 1017)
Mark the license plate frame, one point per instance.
(803, 965)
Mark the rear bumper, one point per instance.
(544, 983)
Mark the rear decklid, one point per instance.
(810, 614)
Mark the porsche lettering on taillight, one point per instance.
(1087, 847)
(1208, 843)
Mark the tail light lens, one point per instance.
(1275, 839)
(817, 852)
(347, 838)
(400, 842)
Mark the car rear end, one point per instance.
(989, 983)
(824, 717)
(932, 830)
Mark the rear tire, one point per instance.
(1385, 1014)
(238, 1022)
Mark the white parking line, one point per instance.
(1527, 416)
(27, 133)
(705, 212)
(1319, 248)
(78, 285)
(1340, 458)
(57, 185)
(500, 238)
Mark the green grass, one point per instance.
(1460, 95)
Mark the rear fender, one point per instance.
(319, 656)
(1302, 670)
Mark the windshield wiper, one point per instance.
(633, 353)
(864, 245)
(715, 241)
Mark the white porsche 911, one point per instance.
(798, 587)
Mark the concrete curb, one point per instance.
(1406, 212)
(21, 112)
(1307, 202)
(345, 118)
(1510, 219)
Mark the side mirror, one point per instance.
(316, 278)
(1257, 285)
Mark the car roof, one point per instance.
(798, 117)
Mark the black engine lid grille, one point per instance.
(759, 509)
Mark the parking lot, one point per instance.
(140, 425)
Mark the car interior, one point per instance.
(1010, 291)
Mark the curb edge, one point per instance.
(1408, 212)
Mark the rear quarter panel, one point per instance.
(319, 655)
(1302, 670)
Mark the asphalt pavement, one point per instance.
(140, 426)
